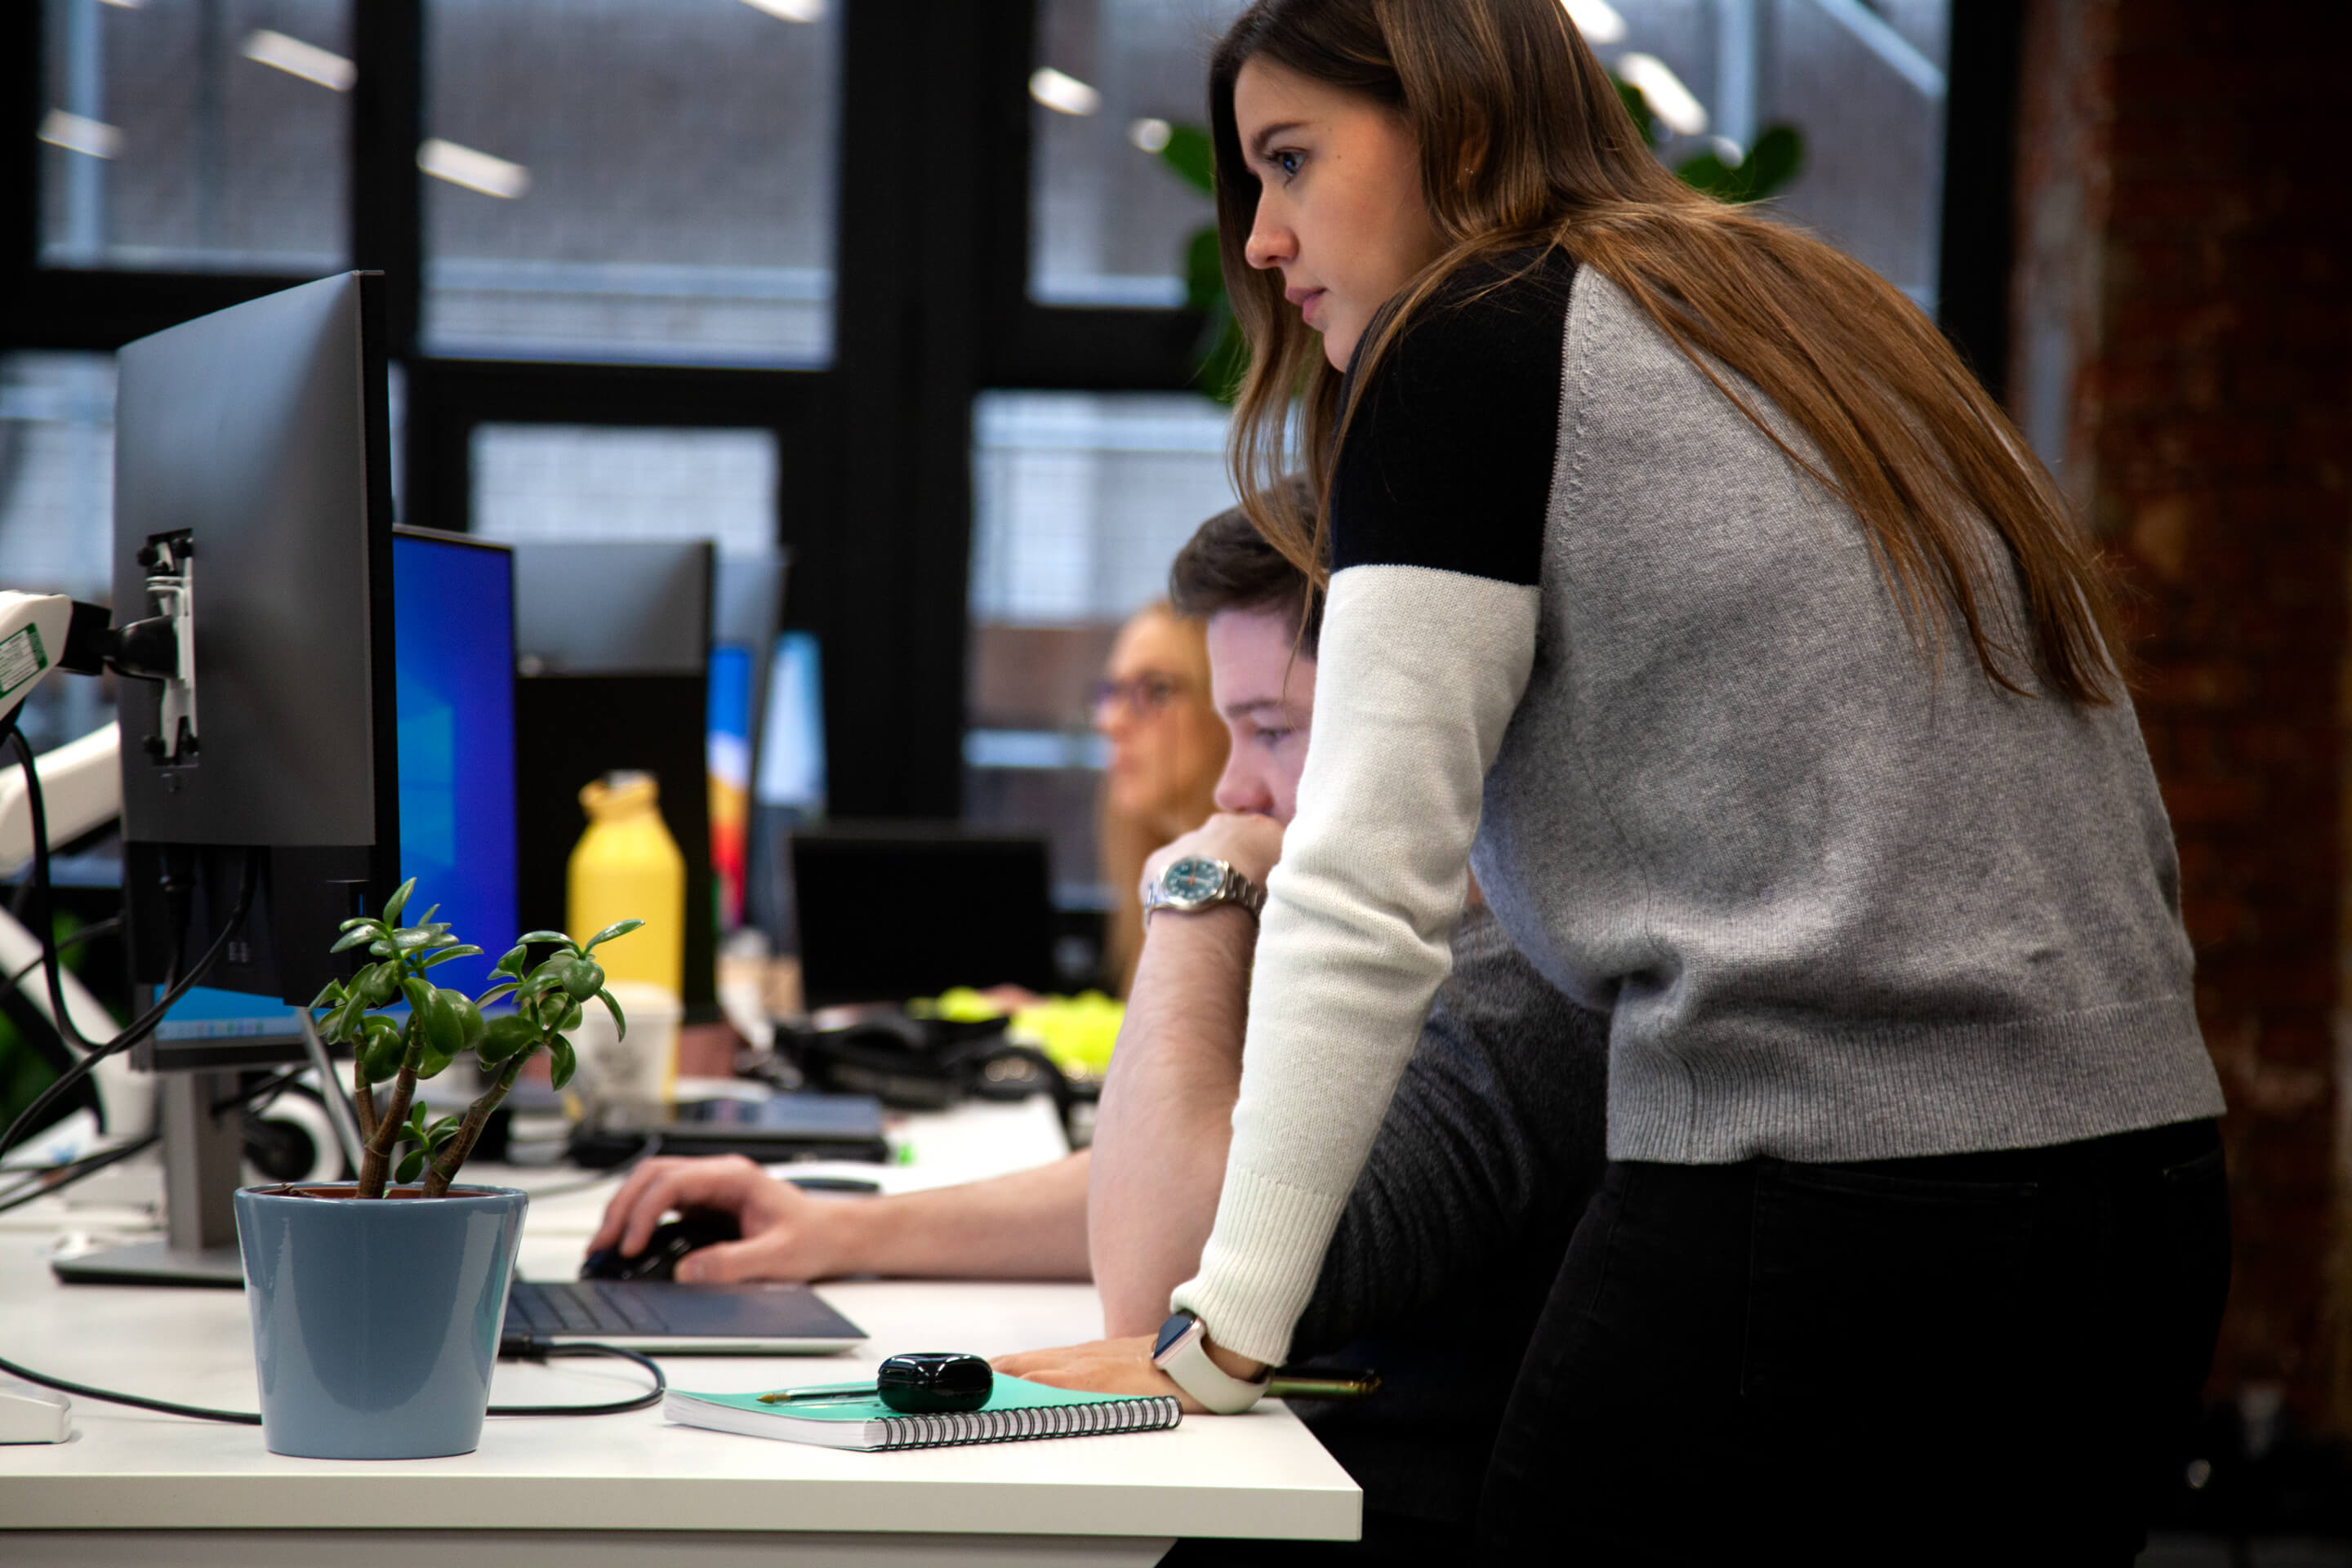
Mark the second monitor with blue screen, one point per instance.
(454, 658)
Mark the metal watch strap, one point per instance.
(1232, 889)
(1183, 1354)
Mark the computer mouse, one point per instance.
(670, 1241)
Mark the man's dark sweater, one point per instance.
(1453, 1234)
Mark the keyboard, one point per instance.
(582, 1307)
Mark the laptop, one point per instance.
(764, 1318)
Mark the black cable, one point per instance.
(95, 928)
(43, 1180)
(533, 1349)
(145, 1023)
(44, 912)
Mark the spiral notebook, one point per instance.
(1016, 1410)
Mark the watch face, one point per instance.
(1193, 879)
(1172, 1331)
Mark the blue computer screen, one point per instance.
(453, 620)
(453, 628)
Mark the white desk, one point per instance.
(579, 1492)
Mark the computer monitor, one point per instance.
(252, 459)
(453, 660)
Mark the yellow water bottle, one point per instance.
(627, 866)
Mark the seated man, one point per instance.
(1449, 1241)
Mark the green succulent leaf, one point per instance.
(380, 1053)
(357, 920)
(503, 989)
(443, 954)
(445, 1030)
(398, 901)
(329, 995)
(620, 1024)
(408, 939)
(411, 1165)
(420, 996)
(438, 1133)
(618, 928)
(471, 1022)
(426, 918)
(560, 1062)
(506, 1036)
(582, 978)
(352, 939)
(378, 983)
(529, 937)
(345, 1022)
(513, 963)
(383, 948)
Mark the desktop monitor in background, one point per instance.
(748, 595)
(894, 909)
(788, 787)
(453, 606)
(614, 642)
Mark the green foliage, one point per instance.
(1770, 165)
(444, 1025)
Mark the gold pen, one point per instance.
(1335, 1384)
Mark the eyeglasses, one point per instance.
(1142, 695)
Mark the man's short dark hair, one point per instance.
(1228, 565)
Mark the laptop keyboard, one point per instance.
(582, 1307)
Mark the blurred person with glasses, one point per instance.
(1167, 748)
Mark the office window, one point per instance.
(1862, 83)
(631, 180)
(196, 136)
(1079, 502)
(534, 482)
(57, 509)
(1107, 224)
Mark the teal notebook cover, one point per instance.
(1016, 1410)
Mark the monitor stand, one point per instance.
(203, 1164)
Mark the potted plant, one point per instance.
(377, 1303)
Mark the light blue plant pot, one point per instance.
(376, 1321)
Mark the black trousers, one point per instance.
(1976, 1358)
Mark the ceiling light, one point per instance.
(790, 10)
(124, 5)
(1151, 135)
(1597, 19)
(1061, 93)
(1668, 99)
(475, 170)
(77, 133)
(296, 57)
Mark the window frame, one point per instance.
(931, 305)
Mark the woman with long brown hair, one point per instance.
(1683, 579)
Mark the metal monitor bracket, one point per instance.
(162, 647)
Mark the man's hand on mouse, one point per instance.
(787, 1235)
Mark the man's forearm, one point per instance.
(1167, 1113)
(1030, 1225)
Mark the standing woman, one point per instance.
(1683, 582)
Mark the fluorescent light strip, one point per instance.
(295, 58)
(474, 170)
(1062, 93)
(1597, 19)
(77, 133)
(790, 10)
(1668, 99)
(1150, 135)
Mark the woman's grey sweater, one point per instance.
(1842, 897)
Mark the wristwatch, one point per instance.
(1197, 882)
(1182, 1352)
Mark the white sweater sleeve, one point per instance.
(1419, 670)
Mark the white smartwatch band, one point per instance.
(1182, 1352)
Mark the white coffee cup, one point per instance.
(640, 1068)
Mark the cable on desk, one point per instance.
(43, 1180)
(144, 1025)
(528, 1350)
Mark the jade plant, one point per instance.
(444, 1025)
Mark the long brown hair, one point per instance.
(1524, 143)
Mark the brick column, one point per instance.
(2182, 334)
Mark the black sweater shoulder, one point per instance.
(1448, 458)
